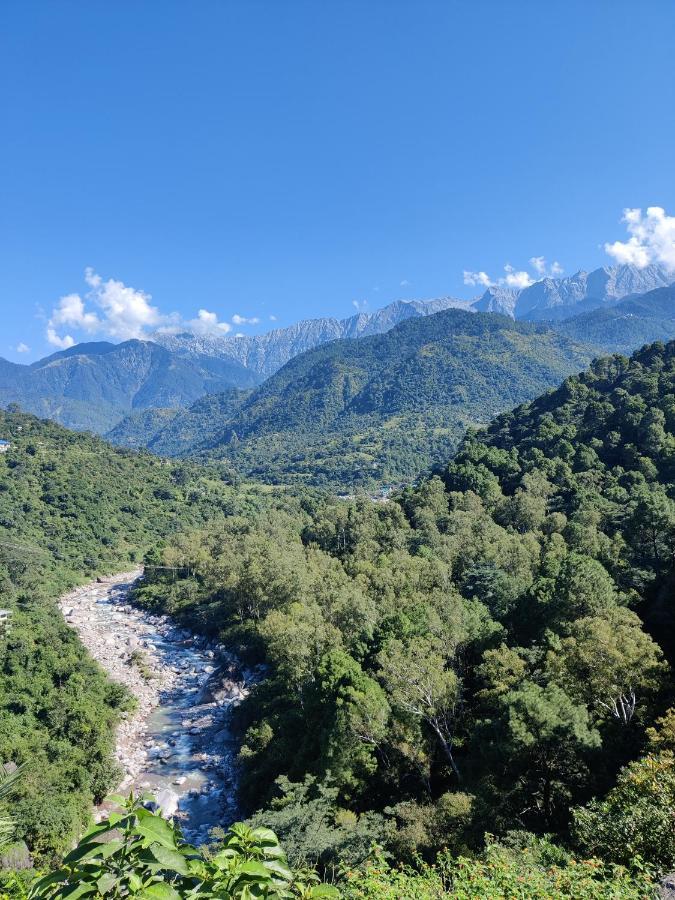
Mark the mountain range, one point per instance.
(400, 382)
(376, 409)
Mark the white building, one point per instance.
(4, 446)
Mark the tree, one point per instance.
(420, 685)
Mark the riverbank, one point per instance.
(177, 745)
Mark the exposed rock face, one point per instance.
(177, 745)
(264, 354)
(562, 297)
(497, 299)
(667, 887)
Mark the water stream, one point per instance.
(177, 746)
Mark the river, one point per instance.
(177, 746)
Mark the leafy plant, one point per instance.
(137, 853)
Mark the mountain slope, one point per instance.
(71, 507)
(553, 298)
(176, 432)
(383, 408)
(93, 386)
(264, 354)
(627, 325)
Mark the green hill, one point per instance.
(379, 409)
(482, 655)
(627, 325)
(71, 507)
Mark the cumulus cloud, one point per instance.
(513, 278)
(477, 279)
(22, 348)
(114, 310)
(109, 308)
(243, 320)
(651, 240)
(207, 323)
(542, 268)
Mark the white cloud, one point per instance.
(22, 348)
(71, 311)
(243, 320)
(652, 239)
(63, 343)
(517, 279)
(114, 310)
(405, 283)
(127, 312)
(477, 278)
(121, 312)
(273, 318)
(360, 304)
(207, 323)
(542, 268)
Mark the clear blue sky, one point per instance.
(286, 158)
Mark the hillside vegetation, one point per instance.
(485, 655)
(376, 410)
(71, 507)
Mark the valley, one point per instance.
(176, 745)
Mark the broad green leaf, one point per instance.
(170, 859)
(47, 880)
(135, 883)
(324, 892)
(160, 891)
(91, 850)
(265, 836)
(253, 869)
(156, 829)
(107, 882)
(80, 889)
(279, 869)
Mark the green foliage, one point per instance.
(373, 411)
(137, 853)
(72, 507)
(636, 820)
(501, 874)
(483, 653)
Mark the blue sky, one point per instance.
(291, 159)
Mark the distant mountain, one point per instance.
(264, 354)
(384, 407)
(497, 299)
(93, 386)
(177, 432)
(558, 298)
(628, 325)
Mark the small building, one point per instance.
(4, 446)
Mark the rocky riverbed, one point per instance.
(177, 745)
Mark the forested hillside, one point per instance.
(628, 325)
(72, 507)
(485, 654)
(92, 386)
(380, 409)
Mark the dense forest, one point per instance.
(72, 507)
(467, 687)
(373, 411)
(487, 654)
